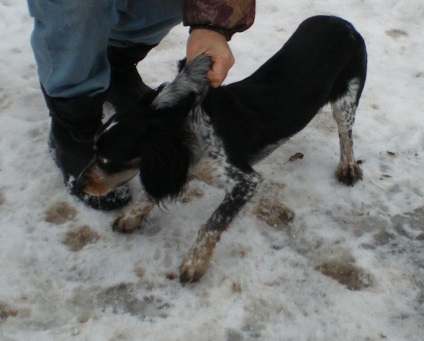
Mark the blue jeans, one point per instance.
(70, 38)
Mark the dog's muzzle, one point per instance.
(94, 181)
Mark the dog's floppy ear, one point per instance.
(165, 151)
(191, 79)
(164, 171)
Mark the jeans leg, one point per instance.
(69, 42)
(70, 38)
(145, 22)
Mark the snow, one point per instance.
(265, 283)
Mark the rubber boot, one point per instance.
(73, 127)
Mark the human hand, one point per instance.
(214, 45)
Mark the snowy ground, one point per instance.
(350, 266)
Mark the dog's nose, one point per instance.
(91, 180)
(82, 180)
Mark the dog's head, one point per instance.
(152, 140)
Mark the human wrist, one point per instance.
(224, 32)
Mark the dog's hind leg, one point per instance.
(196, 261)
(344, 110)
(132, 218)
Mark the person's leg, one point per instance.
(69, 41)
(141, 26)
(144, 22)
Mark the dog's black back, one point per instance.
(320, 59)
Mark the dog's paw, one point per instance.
(132, 218)
(349, 174)
(190, 195)
(127, 223)
(192, 269)
(197, 259)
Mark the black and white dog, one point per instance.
(187, 129)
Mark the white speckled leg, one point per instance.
(344, 110)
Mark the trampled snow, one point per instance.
(350, 266)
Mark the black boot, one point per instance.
(126, 86)
(74, 124)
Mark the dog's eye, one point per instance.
(103, 160)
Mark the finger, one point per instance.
(219, 72)
(216, 78)
(213, 81)
(217, 75)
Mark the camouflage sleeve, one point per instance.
(224, 16)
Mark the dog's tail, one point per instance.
(191, 79)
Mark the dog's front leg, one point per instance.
(196, 261)
(132, 218)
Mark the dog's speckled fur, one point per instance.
(188, 129)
